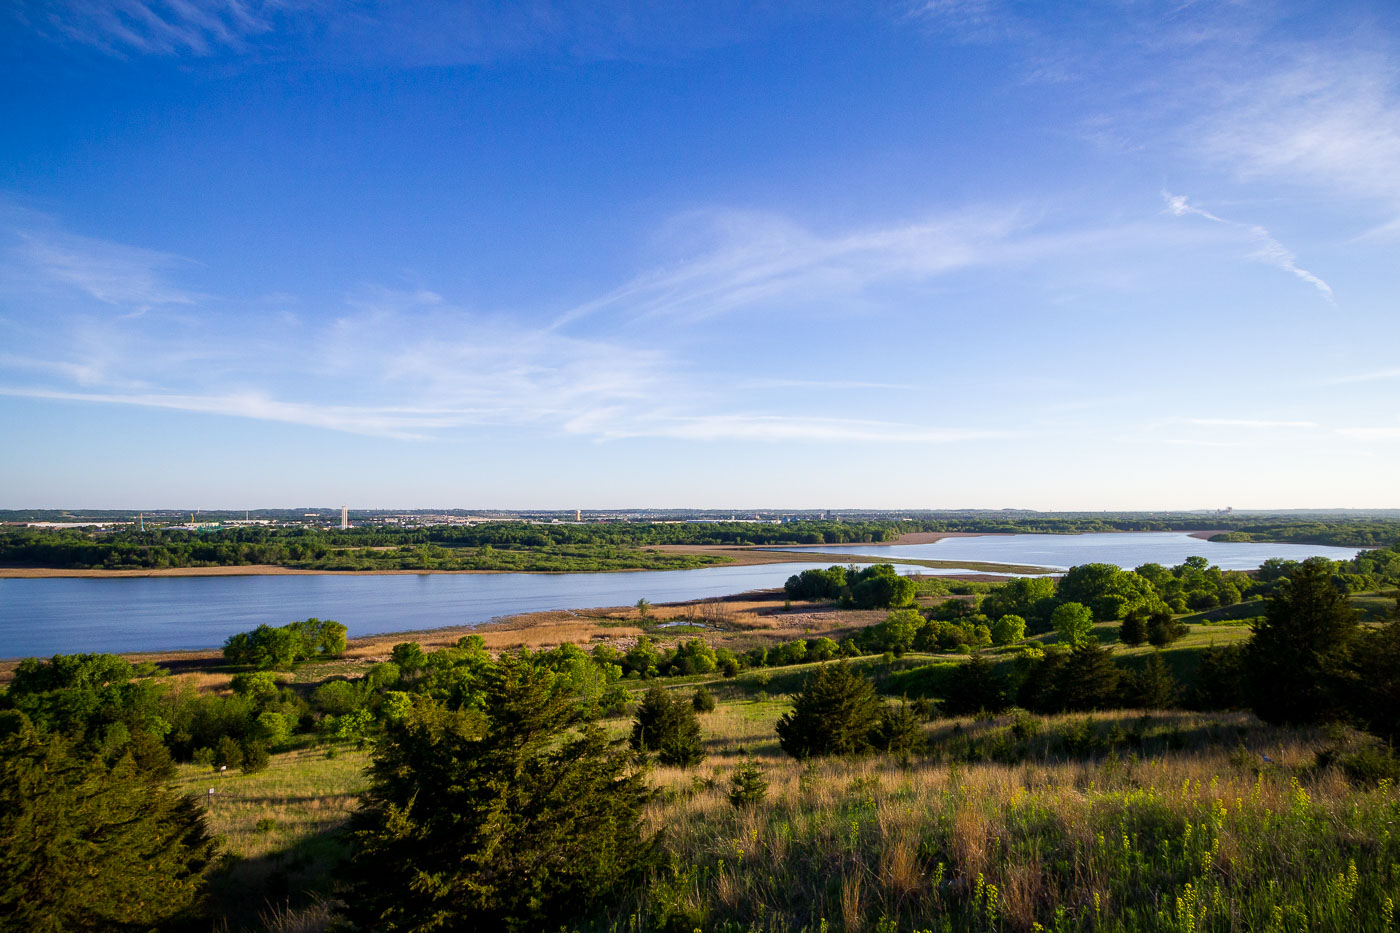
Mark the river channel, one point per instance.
(64, 615)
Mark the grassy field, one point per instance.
(1113, 821)
(1118, 820)
(1234, 835)
(278, 828)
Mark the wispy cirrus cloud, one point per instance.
(383, 421)
(746, 259)
(426, 32)
(1326, 118)
(1270, 251)
(113, 273)
(609, 422)
(400, 364)
(774, 428)
(1262, 423)
(153, 27)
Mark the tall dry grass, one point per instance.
(1218, 836)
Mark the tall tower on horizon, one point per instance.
(344, 517)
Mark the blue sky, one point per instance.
(942, 254)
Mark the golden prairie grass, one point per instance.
(303, 793)
(1201, 815)
(1100, 842)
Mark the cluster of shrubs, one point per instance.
(878, 586)
(285, 646)
(1057, 679)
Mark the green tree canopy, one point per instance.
(1073, 621)
(1008, 629)
(880, 586)
(284, 646)
(1297, 656)
(515, 817)
(85, 845)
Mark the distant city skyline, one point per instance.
(928, 255)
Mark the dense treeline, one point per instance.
(571, 547)
(308, 549)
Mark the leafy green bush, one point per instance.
(268, 647)
(703, 700)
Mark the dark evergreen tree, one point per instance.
(1376, 697)
(1152, 687)
(1297, 658)
(1133, 631)
(899, 729)
(1088, 679)
(1220, 681)
(1162, 629)
(975, 686)
(88, 845)
(666, 725)
(834, 713)
(748, 785)
(1082, 678)
(518, 816)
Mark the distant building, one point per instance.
(344, 517)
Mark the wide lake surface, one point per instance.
(1126, 550)
(64, 615)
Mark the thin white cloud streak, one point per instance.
(1329, 119)
(1249, 423)
(398, 423)
(1270, 251)
(153, 27)
(755, 258)
(831, 384)
(754, 262)
(1190, 442)
(112, 273)
(408, 423)
(774, 428)
(410, 366)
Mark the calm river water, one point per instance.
(64, 615)
(1126, 550)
